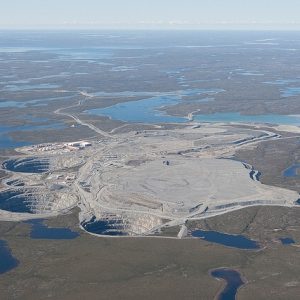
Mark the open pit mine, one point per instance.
(137, 183)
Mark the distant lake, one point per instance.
(27, 87)
(144, 111)
(7, 142)
(28, 103)
(5, 104)
(291, 92)
(237, 117)
(147, 111)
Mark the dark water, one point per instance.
(287, 241)
(7, 142)
(233, 280)
(229, 240)
(7, 261)
(105, 227)
(27, 165)
(292, 171)
(18, 201)
(40, 231)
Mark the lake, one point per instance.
(8, 142)
(229, 240)
(147, 111)
(233, 282)
(143, 111)
(287, 241)
(41, 231)
(237, 117)
(7, 261)
(292, 171)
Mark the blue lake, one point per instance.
(229, 240)
(282, 81)
(7, 261)
(287, 91)
(292, 171)
(233, 282)
(237, 117)
(5, 104)
(40, 231)
(287, 241)
(141, 111)
(147, 111)
(290, 92)
(7, 142)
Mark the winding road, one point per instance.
(59, 111)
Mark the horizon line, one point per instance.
(154, 28)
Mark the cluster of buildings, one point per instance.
(46, 147)
(77, 145)
(56, 146)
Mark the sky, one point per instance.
(141, 14)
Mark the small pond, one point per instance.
(287, 241)
(292, 171)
